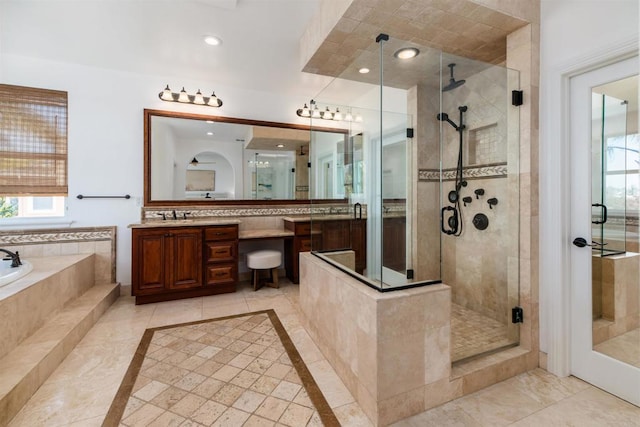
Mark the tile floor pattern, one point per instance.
(625, 347)
(473, 333)
(81, 389)
(230, 371)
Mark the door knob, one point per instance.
(581, 242)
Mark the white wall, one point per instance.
(571, 32)
(106, 133)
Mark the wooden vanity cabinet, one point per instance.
(394, 239)
(165, 260)
(325, 235)
(301, 242)
(183, 262)
(359, 243)
(221, 257)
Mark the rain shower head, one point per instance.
(453, 83)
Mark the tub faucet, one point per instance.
(14, 257)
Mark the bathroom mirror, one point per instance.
(196, 159)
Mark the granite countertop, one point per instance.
(186, 223)
(320, 217)
(264, 233)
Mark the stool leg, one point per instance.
(273, 272)
(254, 279)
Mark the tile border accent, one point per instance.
(119, 403)
(155, 214)
(498, 170)
(57, 235)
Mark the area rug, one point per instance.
(231, 371)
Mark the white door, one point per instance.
(619, 375)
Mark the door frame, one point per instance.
(555, 211)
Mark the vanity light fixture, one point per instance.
(327, 114)
(184, 97)
(406, 53)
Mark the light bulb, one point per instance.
(316, 113)
(166, 94)
(183, 96)
(358, 118)
(337, 115)
(327, 115)
(348, 117)
(199, 99)
(213, 100)
(305, 111)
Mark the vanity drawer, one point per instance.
(303, 229)
(223, 251)
(221, 233)
(219, 274)
(305, 245)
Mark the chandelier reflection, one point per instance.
(312, 111)
(185, 98)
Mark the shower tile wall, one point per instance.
(477, 265)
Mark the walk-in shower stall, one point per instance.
(430, 178)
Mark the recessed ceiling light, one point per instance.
(280, 145)
(209, 133)
(407, 53)
(363, 70)
(212, 40)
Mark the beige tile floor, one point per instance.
(625, 347)
(473, 333)
(80, 391)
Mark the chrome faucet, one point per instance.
(14, 257)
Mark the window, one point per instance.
(33, 142)
(33, 152)
(31, 207)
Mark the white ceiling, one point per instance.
(260, 49)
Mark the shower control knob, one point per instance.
(480, 221)
(479, 192)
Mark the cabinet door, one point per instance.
(336, 235)
(185, 259)
(148, 263)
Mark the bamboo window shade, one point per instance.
(33, 141)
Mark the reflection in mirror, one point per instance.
(615, 149)
(193, 158)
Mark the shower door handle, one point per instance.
(604, 213)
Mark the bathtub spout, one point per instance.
(13, 256)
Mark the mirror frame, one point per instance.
(148, 114)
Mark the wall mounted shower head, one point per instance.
(444, 117)
(453, 83)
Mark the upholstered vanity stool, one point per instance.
(264, 260)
